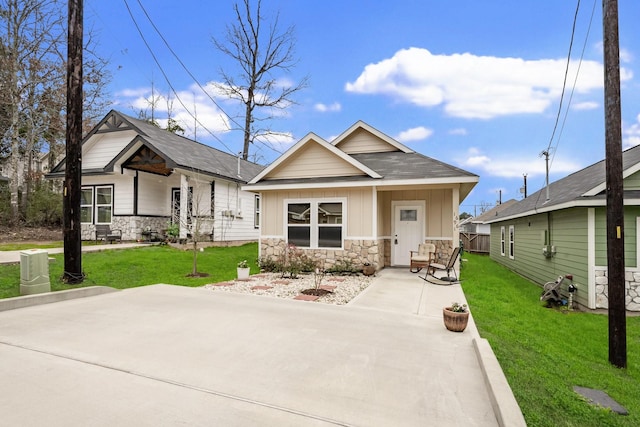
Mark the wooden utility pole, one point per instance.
(615, 197)
(73, 164)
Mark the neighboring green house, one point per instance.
(542, 239)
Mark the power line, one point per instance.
(566, 72)
(135, 23)
(575, 81)
(182, 64)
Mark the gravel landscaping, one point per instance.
(339, 289)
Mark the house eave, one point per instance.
(580, 203)
(378, 183)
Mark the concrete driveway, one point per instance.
(166, 355)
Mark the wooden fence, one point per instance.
(474, 242)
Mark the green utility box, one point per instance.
(34, 272)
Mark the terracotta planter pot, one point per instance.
(455, 321)
(368, 270)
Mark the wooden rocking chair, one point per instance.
(422, 257)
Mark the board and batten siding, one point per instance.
(104, 148)
(565, 229)
(359, 209)
(362, 141)
(438, 213)
(630, 233)
(153, 196)
(313, 161)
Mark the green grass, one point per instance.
(545, 352)
(129, 268)
(14, 246)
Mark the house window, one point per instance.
(256, 212)
(86, 205)
(96, 204)
(502, 234)
(316, 224)
(511, 241)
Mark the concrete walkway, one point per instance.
(167, 355)
(12, 257)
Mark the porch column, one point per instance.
(455, 201)
(184, 205)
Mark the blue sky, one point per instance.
(475, 84)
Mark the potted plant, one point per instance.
(456, 317)
(368, 269)
(243, 270)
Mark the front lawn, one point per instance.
(129, 268)
(545, 352)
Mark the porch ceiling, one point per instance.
(145, 159)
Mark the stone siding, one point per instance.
(356, 251)
(131, 226)
(631, 284)
(444, 250)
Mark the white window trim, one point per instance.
(502, 240)
(256, 211)
(89, 205)
(512, 241)
(94, 203)
(314, 219)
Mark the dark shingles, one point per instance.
(570, 188)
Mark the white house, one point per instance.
(135, 177)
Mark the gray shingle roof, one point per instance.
(396, 165)
(569, 190)
(188, 154)
(183, 152)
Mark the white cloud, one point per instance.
(458, 131)
(471, 86)
(414, 134)
(631, 134)
(199, 115)
(587, 105)
(513, 167)
(328, 108)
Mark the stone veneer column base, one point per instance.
(631, 284)
(357, 252)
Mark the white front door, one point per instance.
(408, 231)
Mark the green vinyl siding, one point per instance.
(630, 233)
(565, 229)
(632, 182)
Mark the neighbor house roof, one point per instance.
(176, 150)
(398, 165)
(585, 187)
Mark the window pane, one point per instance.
(330, 237)
(85, 214)
(104, 214)
(408, 215)
(103, 196)
(329, 213)
(299, 213)
(300, 236)
(86, 196)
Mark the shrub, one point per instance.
(343, 267)
(45, 207)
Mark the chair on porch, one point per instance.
(104, 232)
(448, 268)
(422, 257)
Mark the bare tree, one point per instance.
(33, 85)
(260, 53)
